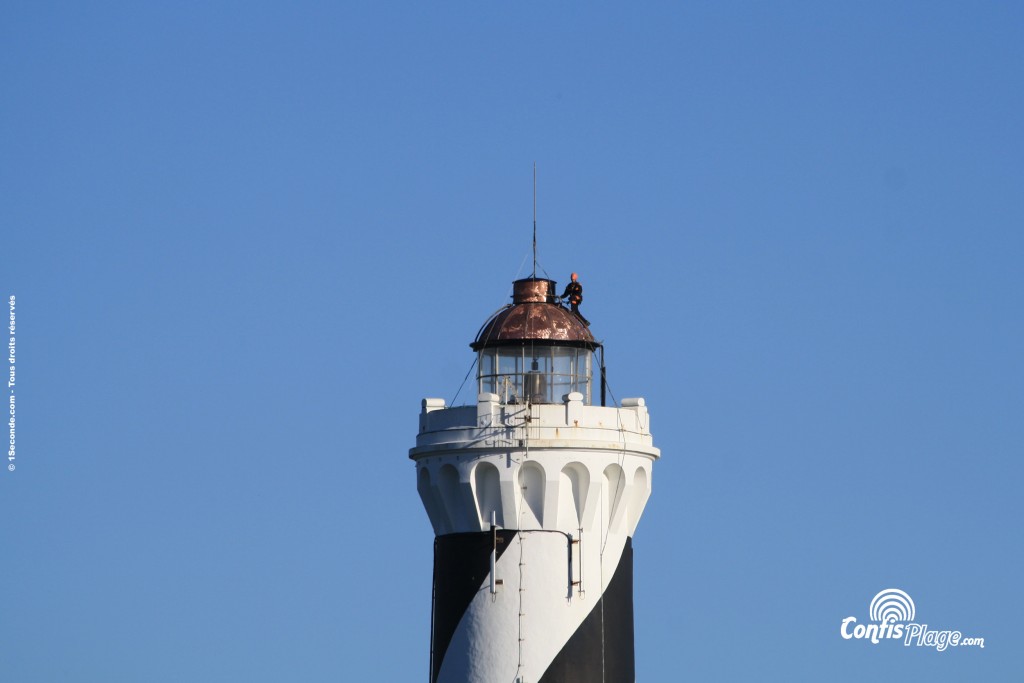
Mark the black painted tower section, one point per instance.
(580, 661)
(461, 563)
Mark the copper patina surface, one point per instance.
(533, 315)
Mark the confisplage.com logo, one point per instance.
(892, 614)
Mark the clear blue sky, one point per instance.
(247, 238)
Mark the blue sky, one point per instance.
(247, 238)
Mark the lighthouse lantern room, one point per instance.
(533, 350)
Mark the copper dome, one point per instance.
(534, 316)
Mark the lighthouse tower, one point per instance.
(534, 493)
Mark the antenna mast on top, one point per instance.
(535, 220)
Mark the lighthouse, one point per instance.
(534, 493)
